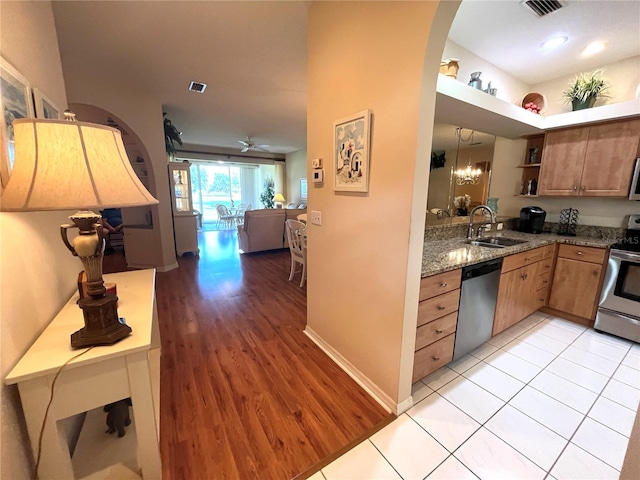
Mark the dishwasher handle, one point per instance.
(480, 269)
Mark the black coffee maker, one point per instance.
(532, 220)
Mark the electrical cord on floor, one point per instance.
(46, 412)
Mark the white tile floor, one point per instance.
(545, 399)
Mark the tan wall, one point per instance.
(358, 258)
(296, 169)
(505, 182)
(37, 272)
(89, 82)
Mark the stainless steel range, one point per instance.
(619, 308)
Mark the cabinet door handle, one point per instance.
(583, 188)
(439, 331)
(435, 359)
(575, 188)
(579, 253)
(443, 284)
(440, 307)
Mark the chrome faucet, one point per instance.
(470, 233)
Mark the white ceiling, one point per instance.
(252, 55)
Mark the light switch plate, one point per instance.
(316, 163)
(316, 217)
(318, 176)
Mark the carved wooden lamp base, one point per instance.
(101, 323)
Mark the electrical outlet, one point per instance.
(499, 226)
(316, 217)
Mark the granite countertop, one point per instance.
(443, 255)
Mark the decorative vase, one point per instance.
(492, 203)
(462, 212)
(578, 105)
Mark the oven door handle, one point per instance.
(619, 254)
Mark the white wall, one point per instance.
(37, 273)
(296, 169)
(623, 76)
(510, 89)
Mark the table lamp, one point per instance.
(279, 199)
(62, 165)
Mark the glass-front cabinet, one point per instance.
(184, 220)
(180, 177)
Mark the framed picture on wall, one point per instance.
(44, 107)
(303, 188)
(16, 103)
(351, 142)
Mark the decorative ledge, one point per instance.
(459, 104)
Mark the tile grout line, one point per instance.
(582, 422)
(517, 338)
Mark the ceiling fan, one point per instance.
(250, 145)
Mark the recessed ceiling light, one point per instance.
(220, 162)
(593, 48)
(554, 42)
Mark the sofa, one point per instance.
(265, 229)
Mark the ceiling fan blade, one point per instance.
(261, 148)
(244, 143)
(245, 149)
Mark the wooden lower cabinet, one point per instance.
(437, 321)
(516, 297)
(577, 280)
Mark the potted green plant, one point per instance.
(586, 89)
(171, 136)
(266, 197)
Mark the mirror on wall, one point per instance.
(468, 152)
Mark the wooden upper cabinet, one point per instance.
(594, 161)
(610, 159)
(562, 161)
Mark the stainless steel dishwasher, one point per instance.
(478, 297)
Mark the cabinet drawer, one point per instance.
(439, 284)
(434, 331)
(542, 281)
(432, 357)
(437, 307)
(583, 254)
(545, 266)
(540, 299)
(521, 259)
(547, 252)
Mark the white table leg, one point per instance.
(141, 389)
(55, 462)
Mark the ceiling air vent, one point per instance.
(197, 87)
(542, 7)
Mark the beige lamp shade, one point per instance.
(63, 165)
(279, 198)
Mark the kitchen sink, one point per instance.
(495, 242)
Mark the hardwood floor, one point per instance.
(244, 393)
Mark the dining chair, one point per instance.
(239, 215)
(297, 237)
(224, 215)
(302, 218)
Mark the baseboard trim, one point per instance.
(167, 268)
(586, 322)
(360, 378)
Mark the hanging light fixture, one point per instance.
(468, 175)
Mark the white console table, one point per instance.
(129, 368)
